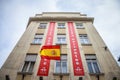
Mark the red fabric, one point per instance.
(50, 47)
(43, 69)
(76, 58)
(50, 57)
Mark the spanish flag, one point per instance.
(50, 52)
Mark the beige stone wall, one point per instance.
(107, 63)
(61, 14)
(17, 56)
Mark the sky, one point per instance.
(14, 15)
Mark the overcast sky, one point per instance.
(14, 15)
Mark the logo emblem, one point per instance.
(53, 52)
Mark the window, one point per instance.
(114, 78)
(80, 78)
(40, 78)
(29, 63)
(84, 39)
(61, 66)
(79, 25)
(43, 25)
(61, 25)
(92, 64)
(61, 39)
(38, 39)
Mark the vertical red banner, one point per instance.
(45, 63)
(76, 58)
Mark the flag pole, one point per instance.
(60, 64)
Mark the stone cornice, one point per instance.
(91, 19)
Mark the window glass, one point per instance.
(96, 67)
(84, 39)
(64, 57)
(29, 63)
(92, 63)
(38, 39)
(61, 66)
(57, 67)
(64, 67)
(25, 67)
(43, 25)
(31, 66)
(90, 67)
(79, 25)
(61, 39)
(61, 25)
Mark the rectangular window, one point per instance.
(79, 25)
(43, 25)
(61, 25)
(61, 39)
(80, 78)
(38, 39)
(29, 63)
(61, 66)
(84, 39)
(40, 78)
(92, 63)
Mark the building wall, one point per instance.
(15, 61)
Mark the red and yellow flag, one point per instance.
(50, 52)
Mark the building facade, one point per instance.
(84, 55)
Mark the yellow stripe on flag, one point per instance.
(50, 52)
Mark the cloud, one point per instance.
(107, 18)
(14, 17)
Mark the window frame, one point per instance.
(61, 25)
(83, 38)
(79, 25)
(38, 39)
(42, 25)
(27, 70)
(61, 39)
(91, 59)
(61, 66)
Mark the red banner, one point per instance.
(76, 58)
(45, 63)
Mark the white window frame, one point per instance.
(61, 39)
(61, 25)
(92, 59)
(38, 39)
(43, 25)
(28, 67)
(29, 60)
(64, 60)
(79, 25)
(84, 39)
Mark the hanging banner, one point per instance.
(45, 63)
(76, 58)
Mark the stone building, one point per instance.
(84, 55)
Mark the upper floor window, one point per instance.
(29, 63)
(61, 39)
(79, 25)
(84, 39)
(38, 39)
(61, 66)
(43, 25)
(61, 25)
(92, 64)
